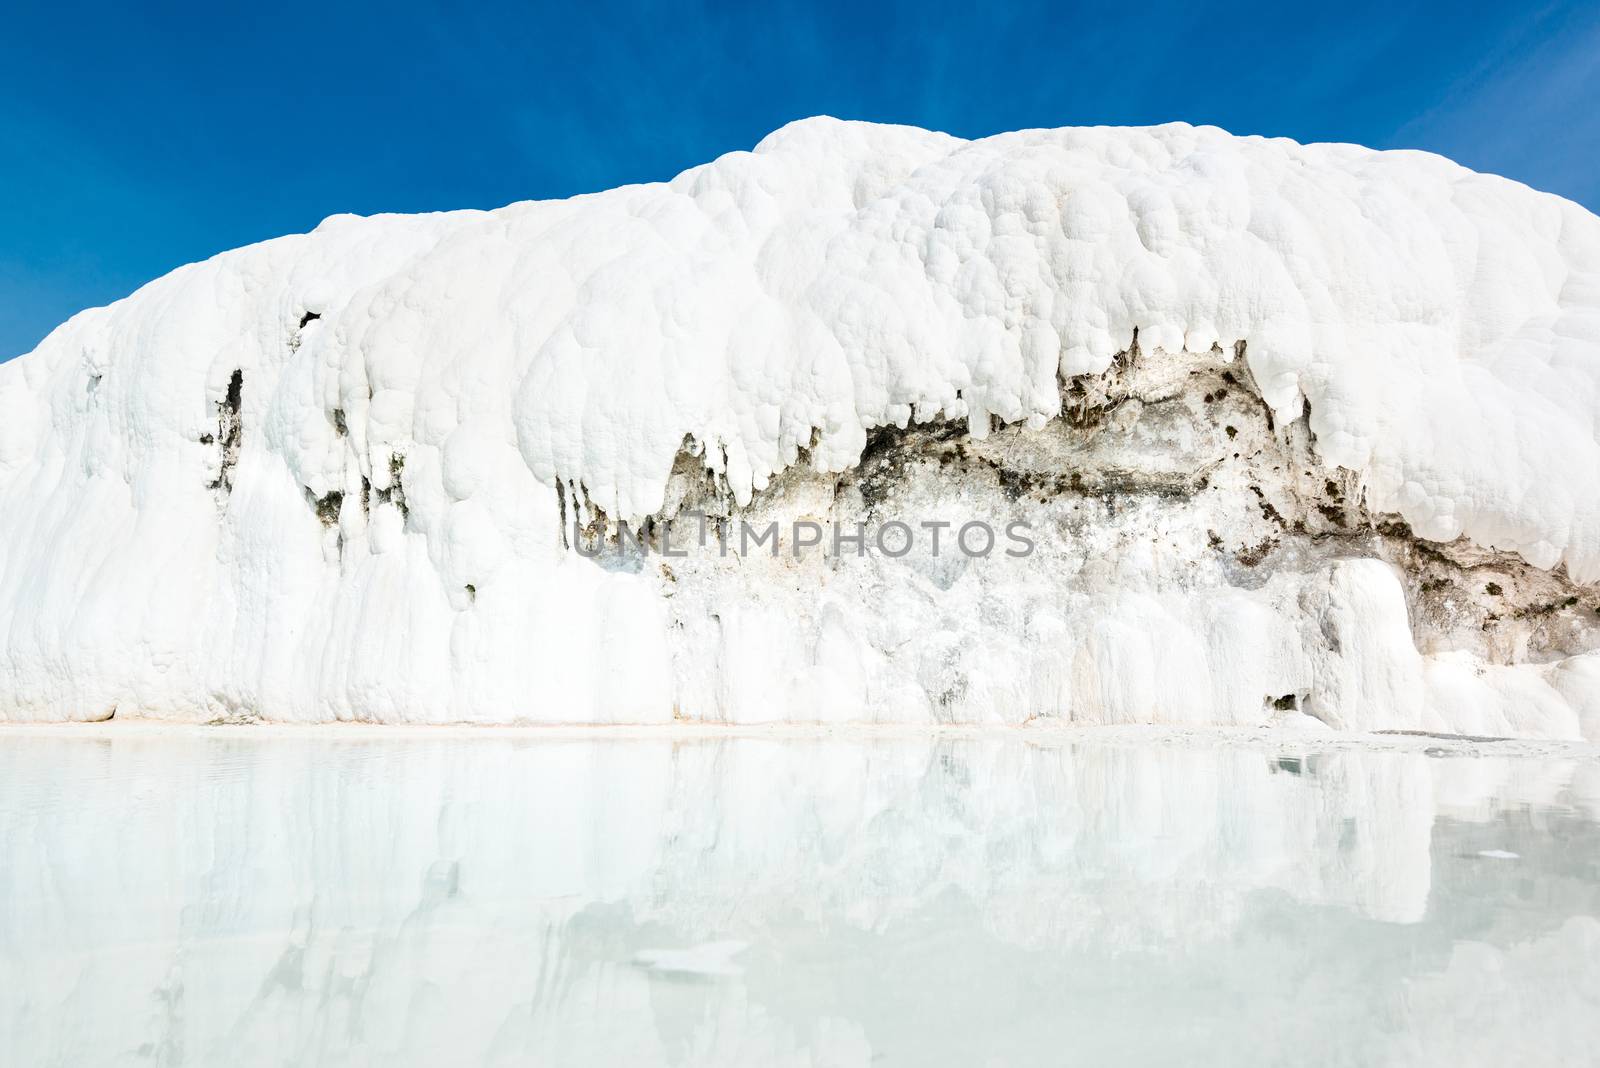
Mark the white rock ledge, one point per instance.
(1305, 431)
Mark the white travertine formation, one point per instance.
(326, 476)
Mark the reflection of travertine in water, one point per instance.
(189, 900)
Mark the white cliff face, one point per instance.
(1299, 430)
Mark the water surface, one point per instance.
(233, 900)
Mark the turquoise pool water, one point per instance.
(190, 899)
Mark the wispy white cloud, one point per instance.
(1530, 109)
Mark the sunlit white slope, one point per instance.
(375, 532)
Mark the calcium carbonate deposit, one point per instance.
(1297, 434)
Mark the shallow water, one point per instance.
(455, 900)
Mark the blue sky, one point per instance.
(139, 136)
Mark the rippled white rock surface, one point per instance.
(1309, 425)
(206, 899)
